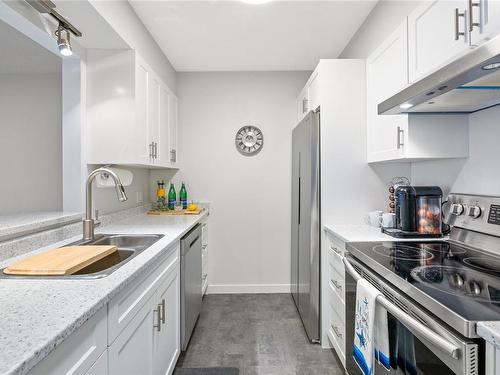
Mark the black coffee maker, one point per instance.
(418, 212)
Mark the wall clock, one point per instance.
(249, 140)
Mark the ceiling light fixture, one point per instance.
(406, 105)
(256, 2)
(491, 66)
(63, 41)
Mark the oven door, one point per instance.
(419, 343)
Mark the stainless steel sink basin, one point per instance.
(129, 246)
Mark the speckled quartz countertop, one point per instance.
(490, 331)
(366, 233)
(37, 315)
(23, 224)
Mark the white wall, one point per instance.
(478, 174)
(385, 17)
(249, 196)
(30, 143)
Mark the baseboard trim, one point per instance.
(247, 288)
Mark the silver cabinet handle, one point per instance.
(400, 138)
(458, 33)
(451, 349)
(337, 285)
(471, 15)
(305, 105)
(335, 250)
(163, 311)
(336, 330)
(173, 155)
(158, 316)
(156, 150)
(151, 150)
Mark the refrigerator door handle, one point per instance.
(299, 200)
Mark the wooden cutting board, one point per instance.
(61, 261)
(173, 212)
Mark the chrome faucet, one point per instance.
(88, 222)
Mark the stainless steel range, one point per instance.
(435, 292)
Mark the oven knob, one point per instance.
(457, 209)
(474, 211)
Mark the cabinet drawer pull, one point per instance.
(458, 33)
(337, 285)
(400, 138)
(336, 330)
(158, 316)
(336, 251)
(471, 15)
(151, 150)
(163, 312)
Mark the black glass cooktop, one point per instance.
(464, 280)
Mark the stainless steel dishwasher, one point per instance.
(190, 283)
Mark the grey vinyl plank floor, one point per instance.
(257, 333)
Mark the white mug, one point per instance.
(388, 220)
(374, 218)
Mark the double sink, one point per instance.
(129, 246)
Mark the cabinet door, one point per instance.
(172, 124)
(386, 75)
(141, 131)
(164, 130)
(486, 14)
(100, 367)
(153, 114)
(167, 341)
(302, 104)
(314, 93)
(132, 351)
(433, 35)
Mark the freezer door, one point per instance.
(297, 136)
(306, 155)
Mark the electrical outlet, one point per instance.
(139, 198)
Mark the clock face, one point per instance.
(249, 140)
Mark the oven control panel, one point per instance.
(479, 213)
(494, 214)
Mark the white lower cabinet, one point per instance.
(100, 366)
(335, 324)
(79, 351)
(132, 351)
(166, 343)
(138, 332)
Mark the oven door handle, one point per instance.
(449, 348)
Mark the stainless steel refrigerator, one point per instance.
(305, 272)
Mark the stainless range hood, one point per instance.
(469, 84)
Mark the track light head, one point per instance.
(63, 40)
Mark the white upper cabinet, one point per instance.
(387, 73)
(437, 33)
(406, 137)
(129, 117)
(173, 124)
(484, 21)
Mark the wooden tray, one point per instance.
(172, 212)
(62, 261)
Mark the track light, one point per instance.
(63, 40)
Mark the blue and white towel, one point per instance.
(370, 329)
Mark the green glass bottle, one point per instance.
(172, 197)
(183, 196)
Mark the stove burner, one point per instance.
(490, 264)
(445, 248)
(403, 252)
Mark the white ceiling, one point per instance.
(21, 55)
(236, 36)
